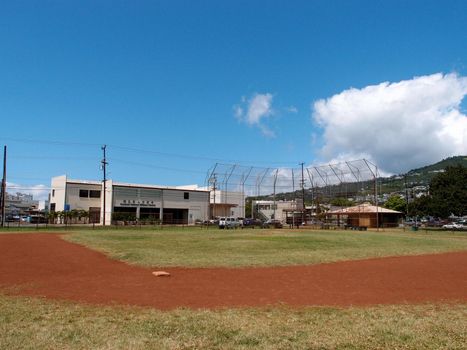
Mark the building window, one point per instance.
(94, 194)
(186, 195)
(84, 193)
(52, 206)
(53, 193)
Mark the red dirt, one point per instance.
(45, 265)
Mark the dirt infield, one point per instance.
(45, 265)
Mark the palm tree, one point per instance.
(83, 214)
(61, 216)
(52, 216)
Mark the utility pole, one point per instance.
(302, 183)
(376, 199)
(294, 199)
(275, 205)
(406, 197)
(213, 180)
(104, 165)
(3, 195)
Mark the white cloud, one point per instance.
(266, 131)
(399, 125)
(291, 109)
(39, 192)
(255, 111)
(238, 111)
(260, 106)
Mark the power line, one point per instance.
(28, 187)
(50, 142)
(145, 151)
(156, 166)
(14, 177)
(40, 157)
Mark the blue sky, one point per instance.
(181, 80)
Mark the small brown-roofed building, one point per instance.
(366, 215)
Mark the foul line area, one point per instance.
(47, 266)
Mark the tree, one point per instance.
(421, 206)
(83, 214)
(395, 202)
(449, 192)
(61, 216)
(73, 215)
(341, 202)
(448, 195)
(248, 207)
(52, 217)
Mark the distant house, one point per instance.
(365, 215)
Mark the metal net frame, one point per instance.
(318, 183)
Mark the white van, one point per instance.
(228, 222)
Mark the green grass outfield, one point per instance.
(197, 247)
(38, 324)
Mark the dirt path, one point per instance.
(45, 265)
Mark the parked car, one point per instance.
(434, 223)
(272, 223)
(38, 219)
(453, 226)
(12, 218)
(228, 222)
(252, 223)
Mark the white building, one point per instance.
(267, 209)
(227, 203)
(223, 203)
(168, 204)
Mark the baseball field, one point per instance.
(247, 289)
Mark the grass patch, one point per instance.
(194, 247)
(27, 323)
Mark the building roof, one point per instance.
(84, 182)
(365, 208)
(125, 184)
(159, 187)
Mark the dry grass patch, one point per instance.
(38, 324)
